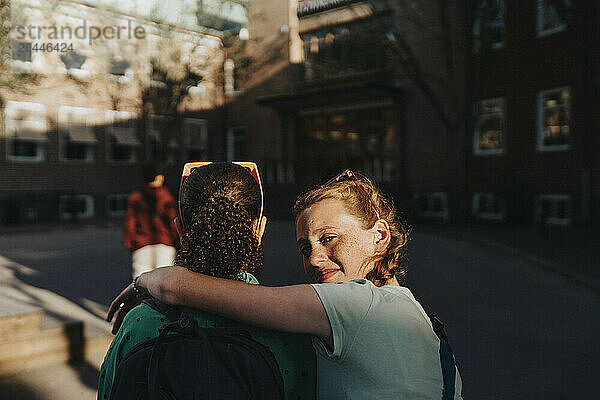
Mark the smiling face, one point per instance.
(334, 246)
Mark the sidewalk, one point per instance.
(61, 380)
(572, 253)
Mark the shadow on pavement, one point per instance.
(12, 388)
(88, 373)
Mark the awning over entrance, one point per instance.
(325, 96)
(125, 137)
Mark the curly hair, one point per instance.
(356, 202)
(219, 203)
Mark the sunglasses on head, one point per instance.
(349, 175)
(191, 166)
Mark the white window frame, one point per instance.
(35, 65)
(117, 213)
(111, 116)
(476, 134)
(10, 108)
(486, 215)
(540, 122)
(431, 197)
(187, 123)
(89, 202)
(553, 219)
(62, 140)
(540, 31)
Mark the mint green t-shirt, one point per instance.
(294, 353)
(384, 346)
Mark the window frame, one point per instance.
(231, 141)
(487, 215)
(187, 148)
(480, 23)
(431, 197)
(476, 133)
(35, 65)
(553, 220)
(164, 140)
(63, 140)
(89, 201)
(110, 121)
(539, 13)
(117, 196)
(540, 146)
(40, 147)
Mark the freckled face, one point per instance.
(334, 247)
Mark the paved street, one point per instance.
(518, 331)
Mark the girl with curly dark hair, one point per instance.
(220, 205)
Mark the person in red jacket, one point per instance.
(149, 231)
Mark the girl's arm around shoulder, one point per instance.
(295, 308)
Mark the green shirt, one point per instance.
(294, 353)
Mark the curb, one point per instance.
(556, 268)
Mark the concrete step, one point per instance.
(18, 320)
(48, 346)
(30, 339)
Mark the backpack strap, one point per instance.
(446, 358)
(178, 321)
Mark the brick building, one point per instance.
(534, 156)
(502, 132)
(333, 94)
(480, 111)
(91, 92)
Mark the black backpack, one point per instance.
(187, 362)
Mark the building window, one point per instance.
(489, 28)
(116, 204)
(76, 134)
(160, 141)
(25, 128)
(121, 138)
(553, 209)
(487, 206)
(349, 49)
(554, 120)
(489, 127)
(236, 144)
(120, 70)
(79, 206)
(158, 74)
(21, 51)
(551, 16)
(118, 67)
(433, 205)
(195, 139)
(73, 65)
(72, 60)
(23, 58)
(360, 139)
